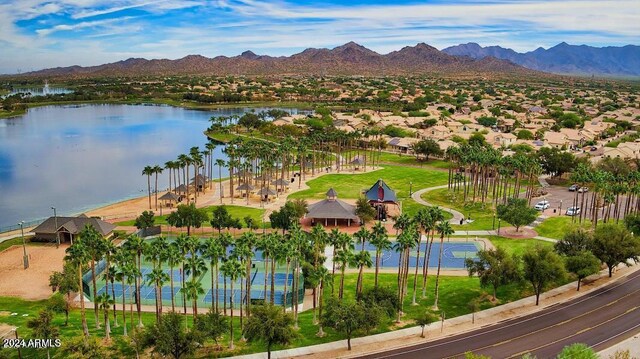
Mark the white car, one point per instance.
(542, 205)
(573, 211)
(583, 189)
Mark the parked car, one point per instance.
(583, 189)
(573, 211)
(542, 205)
(573, 188)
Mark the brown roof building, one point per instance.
(69, 227)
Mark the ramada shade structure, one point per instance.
(245, 187)
(266, 192)
(169, 198)
(69, 227)
(381, 193)
(334, 209)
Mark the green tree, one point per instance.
(187, 215)
(169, 337)
(541, 267)
(221, 219)
(556, 162)
(43, 328)
(487, 121)
(95, 245)
(77, 256)
(364, 210)
(104, 302)
(148, 171)
(494, 267)
(525, 135)
(425, 319)
(212, 325)
(582, 264)
(517, 212)
(284, 218)
(348, 318)
(79, 348)
(426, 147)
(613, 244)
(577, 351)
(145, 220)
(573, 242)
(270, 325)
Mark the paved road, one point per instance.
(600, 319)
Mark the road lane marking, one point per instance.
(627, 279)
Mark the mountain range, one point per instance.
(348, 59)
(563, 58)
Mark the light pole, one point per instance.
(410, 188)
(55, 216)
(493, 226)
(25, 257)
(544, 205)
(560, 208)
(498, 226)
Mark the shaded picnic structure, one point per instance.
(69, 227)
(169, 199)
(332, 208)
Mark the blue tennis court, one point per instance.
(279, 279)
(453, 255)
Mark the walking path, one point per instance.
(417, 196)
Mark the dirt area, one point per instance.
(6, 330)
(32, 283)
(523, 233)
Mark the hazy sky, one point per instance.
(37, 34)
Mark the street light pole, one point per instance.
(55, 216)
(498, 226)
(25, 257)
(410, 188)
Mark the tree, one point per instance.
(171, 338)
(187, 215)
(43, 328)
(426, 147)
(364, 210)
(577, 351)
(348, 318)
(444, 228)
(380, 240)
(574, 242)
(477, 139)
(232, 269)
(632, 222)
(284, 218)
(270, 325)
(212, 325)
(487, 121)
(104, 301)
(79, 348)
(582, 264)
(156, 171)
(494, 267)
(221, 219)
(517, 212)
(77, 256)
(148, 171)
(95, 246)
(556, 162)
(613, 244)
(541, 267)
(525, 135)
(145, 220)
(425, 319)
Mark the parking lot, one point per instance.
(560, 198)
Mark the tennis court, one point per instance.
(453, 255)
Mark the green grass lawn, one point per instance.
(235, 211)
(481, 214)
(350, 185)
(556, 227)
(18, 242)
(517, 246)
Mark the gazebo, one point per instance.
(265, 193)
(246, 188)
(333, 208)
(281, 184)
(169, 199)
(357, 163)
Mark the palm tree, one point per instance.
(435, 215)
(323, 276)
(148, 171)
(232, 268)
(404, 243)
(182, 243)
(158, 278)
(124, 262)
(77, 255)
(137, 246)
(173, 257)
(157, 170)
(226, 241)
(444, 228)
(380, 240)
(344, 256)
(212, 250)
(105, 302)
(110, 276)
(193, 291)
(95, 245)
(244, 246)
(423, 220)
(195, 266)
(220, 163)
(185, 161)
(361, 236)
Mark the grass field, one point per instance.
(556, 227)
(481, 214)
(235, 211)
(350, 185)
(518, 246)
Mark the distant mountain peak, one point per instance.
(250, 55)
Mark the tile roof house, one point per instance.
(556, 139)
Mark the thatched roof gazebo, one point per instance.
(169, 198)
(245, 187)
(333, 208)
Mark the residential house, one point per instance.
(556, 139)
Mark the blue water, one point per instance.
(79, 157)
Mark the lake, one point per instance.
(76, 158)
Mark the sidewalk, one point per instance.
(632, 345)
(417, 196)
(410, 336)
